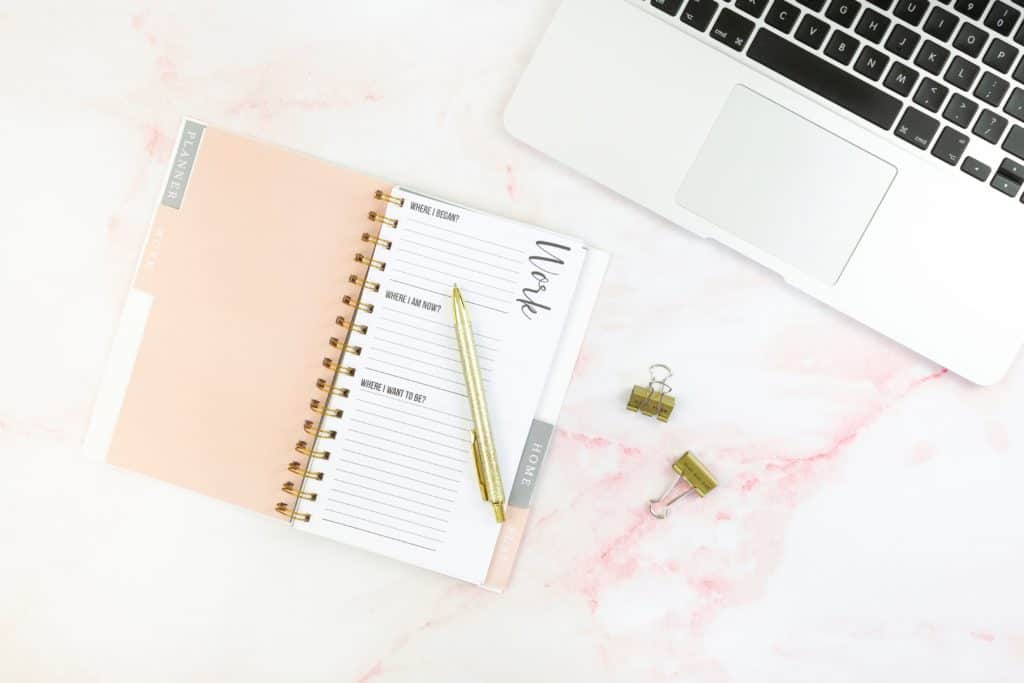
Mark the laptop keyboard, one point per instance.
(946, 77)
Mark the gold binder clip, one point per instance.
(653, 399)
(693, 476)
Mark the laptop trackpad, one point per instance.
(785, 185)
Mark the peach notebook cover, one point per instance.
(226, 325)
(224, 342)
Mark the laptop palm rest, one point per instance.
(785, 185)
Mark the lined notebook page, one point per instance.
(400, 480)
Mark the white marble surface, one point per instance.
(868, 526)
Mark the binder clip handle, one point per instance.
(660, 382)
(692, 477)
(653, 400)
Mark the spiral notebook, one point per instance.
(308, 306)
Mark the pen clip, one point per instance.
(475, 448)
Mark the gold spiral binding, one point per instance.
(382, 219)
(345, 348)
(315, 428)
(349, 325)
(293, 490)
(383, 196)
(372, 286)
(371, 262)
(324, 385)
(377, 239)
(321, 409)
(359, 305)
(291, 514)
(298, 470)
(332, 364)
(304, 448)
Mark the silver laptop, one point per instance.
(870, 152)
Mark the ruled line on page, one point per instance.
(452, 351)
(363, 411)
(454, 243)
(461, 235)
(385, 525)
(451, 357)
(448, 295)
(338, 501)
(361, 487)
(391, 452)
(435, 250)
(446, 325)
(417, 405)
(390, 504)
(412, 446)
(391, 483)
(404, 469)
(448, 334)
(461, 280)
(407, 379)
(374, 533)
(470, 292)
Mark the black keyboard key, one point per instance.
(1002, 18)
(960, 110)
(991, 89)
(782, 16)
(884, 4)
(812, 31)
(667, 6)
(816, 5)
(1019, 38)
(1006, 185)
(931, 95)
(975, 169)
(932, 57)
(972, 8)
(871, 63)
(970, 40)
(1012, 169)
(841, 47)
(825, 79)
(951, 146)
(873, 25)
(698, 13)
(901, 79)
(902, 41)
(1015, 106)
(732, 29)
(911, 11)
(941, 24)
(917, 128)
(1015, 142)
(1018, 75)
(962, 73)
(752, 7)
(990, 126)
(1001, 56)
(843, 12)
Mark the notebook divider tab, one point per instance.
(314, 450)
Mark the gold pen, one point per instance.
(484, 454)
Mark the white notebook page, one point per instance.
(400, 480)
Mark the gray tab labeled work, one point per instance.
(536, 448)
(181, 165)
